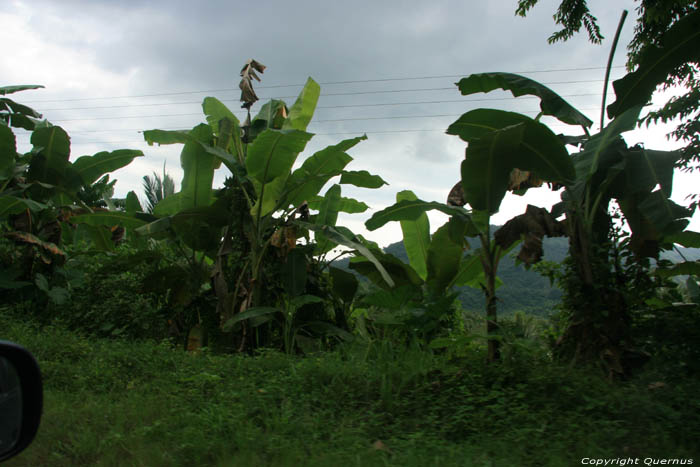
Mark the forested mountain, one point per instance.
(523, 289)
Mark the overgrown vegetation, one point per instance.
(293, 358)
(125, 402)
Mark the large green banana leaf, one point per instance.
(362, 179)
(498, 143)
(416, 236)
(327, 215)
(412, 209)
(91, 168)
(49, 163)
(308, 180)
(303, 109)
(8, 151)
(443, 260)
(13, 205)
(198, 166)
(274, 152)
(550, 102)
(109, 219)
(343, 236)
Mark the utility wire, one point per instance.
(332, 107)
(317, 121)
(290, 97)
(444, 102)
(298, 85)
(78, 143)
(378, 104)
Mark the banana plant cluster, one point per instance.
(422, 297)
(503, 144)
(42, 192)
(505, 151)
(264, 206)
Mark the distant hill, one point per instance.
(690, 254)
(523, 289)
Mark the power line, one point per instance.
(78, 143)
(317, 121)
(127, 116)
(443, 102)
(124, 129)
(298, 85)
(409, 116)
(333, 107)
(378, 104)
(289, 97)
(442, 77)
(334, 120)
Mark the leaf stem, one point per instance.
(239, 281)
(607, 70)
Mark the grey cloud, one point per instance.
(169, 46)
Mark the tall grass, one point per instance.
(118, 402)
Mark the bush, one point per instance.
(107, 297)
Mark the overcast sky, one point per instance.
(112, 69)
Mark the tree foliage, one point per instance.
(157, 188)
(654, 18)
(571, 15)
(605, 169)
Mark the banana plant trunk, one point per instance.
(490, 264)
(599, 327)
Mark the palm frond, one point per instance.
(150, 189)
(157, 188)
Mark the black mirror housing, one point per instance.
(21, 396)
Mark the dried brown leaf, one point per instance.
(290, 234)
(533, 225)
(30, 239)
(277, 239)
(117, 234)
(456, 195)
(522, 180)
(251, 65)
(248, 96)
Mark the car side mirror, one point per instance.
(21, 399)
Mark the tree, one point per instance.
(654, 18)
(157, 188)
(600, 292)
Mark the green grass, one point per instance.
(112, 402)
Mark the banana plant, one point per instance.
(265, 202)
(290, 303)
(605, 169)
(436, 263)
(506, 151)
(41, 189)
